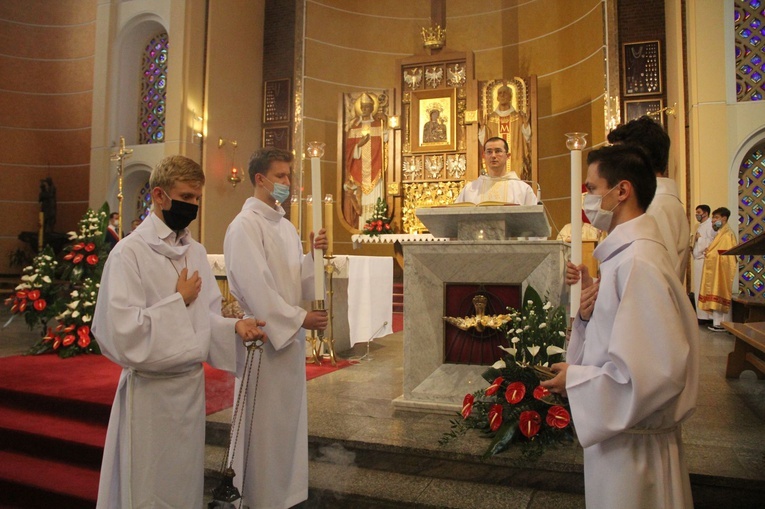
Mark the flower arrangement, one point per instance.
(515, 408)
(66, 290)
(379, 223)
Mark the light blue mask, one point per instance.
(280, 192)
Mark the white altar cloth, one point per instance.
(361, 238)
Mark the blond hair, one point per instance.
(174, 169)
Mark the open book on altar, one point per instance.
(482, 204)
(484, 222)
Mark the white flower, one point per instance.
(562, 333)
(547, 305)
(74, 294)
(72, 235)
(75, 314)
(526, 327)
(499, 364)
(46, 279)
(533, 350)
(86, 318)
(26, 278)
(529, 302)
(28, 268)
(515, 339)
(542, 325)
(518, 331)
(511, 351)
(87, 304)
(554, 350)
(73, 304)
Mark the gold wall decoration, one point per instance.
(433, 37)
(425, 194)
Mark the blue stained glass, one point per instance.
(756, 77)
(757, 209)
(757, 191)
(738, 52)
(746, 69)
(754, 4)
(747, 201)
(757, 229)
(745, 33)
(756, 60)
(757, 155)
(758, 286)
(745, 238)
(757, 172)
(755, 23)
(755, 41)
(758, 266)
(748, 275)
(756, 96)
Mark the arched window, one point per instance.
(143, 203)
(153, 89)
(749, 20)
(751, 187)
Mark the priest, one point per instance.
(158, 315)
(270, 277)
(631, 370)
(719, 271)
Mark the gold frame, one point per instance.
(630, 60)
(276, 133)
(276, 101)
(646, 108)
(422, 99)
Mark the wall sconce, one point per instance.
(670, 111)
(234, 176)
(197, 129)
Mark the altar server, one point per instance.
(158, 316)
(270, 276)
(631, 374)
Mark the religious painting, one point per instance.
(504, 113)
(642, 68)
(433, 123)
(277, 137)
(638, 108)
(363, 140)
(276, 100)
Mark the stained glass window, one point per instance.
(153, 89)
(751, 183)
(143, 202)
(749, 21)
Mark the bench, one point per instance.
(748, 349)
(746, 309)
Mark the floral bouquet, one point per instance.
(35, 297)
(515, 408)
(72, 334)
(379, 223)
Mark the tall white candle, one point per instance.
(318, 254)
(576, 143)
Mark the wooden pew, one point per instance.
(748, 349)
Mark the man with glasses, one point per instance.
(497, 185)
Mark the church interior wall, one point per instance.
(46, 80)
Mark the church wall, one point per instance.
(46, 79)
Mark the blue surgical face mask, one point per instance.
(280, 192)
(717, 225)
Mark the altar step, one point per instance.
(398, 297)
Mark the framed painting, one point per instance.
(642, 68)
(638, 108)
(433, 123)
(277, 137)
(276, 100)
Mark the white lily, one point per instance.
(511, 351)
(500, 364)
(73, 304)
(515, 339)
(542, 325)
(86, 318)
(75, 314)
(554, 350)
(547, 305)
(46, 279)
(533, 350)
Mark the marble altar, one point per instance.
(494, 222)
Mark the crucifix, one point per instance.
(120, 157)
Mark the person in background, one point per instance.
(704, 236)
(632, 365)
(719, 271)
(158, 316)
(112, 235)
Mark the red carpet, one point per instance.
(398, 322)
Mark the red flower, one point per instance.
(558, 417)
(78, 258)
(68, 339)
(40, 304)
(68, 256)
(69, 328)
(78, 246)
(540, 392)
(387, 226)
(515, 393)
(49, 335)
(21, 294)
(92, 259)
(467, 405)
(33, 294)
(529, 422)
(56, 342)
(379, 228)
(90, 247)
(494, 387)
(83, 331)
(22, 306)
(495, 417)
(83, 341)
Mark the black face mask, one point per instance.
(180, 214)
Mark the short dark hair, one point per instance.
(113, 215)
(262, 158)
(647, 134)
(722, 211)
(497, 138)
(626, 162)
(704, 208)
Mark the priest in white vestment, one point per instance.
(270, 277)
(632, 365)
(705, 234)
(498, 185)
(158, 316)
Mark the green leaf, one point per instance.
(531, 295)
(502, 439)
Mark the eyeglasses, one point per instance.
(498, 151)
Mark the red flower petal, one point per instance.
(495, 417)
(21, 294)
(558, 417)
(78, 246)
(40, 304)
(22, 306)
(83, 342)
(515, 393)
(33, 294)
(494, 387)
(83, 331)
(68, 256)
(68, 339)
(92, 259)
(540, 392)
(56, 342)
(78, 258)
(467, 405)
(90, 247)
(529, 422)
(69, 328)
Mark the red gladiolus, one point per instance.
(90, 247)
(515, 393)
(68, 339)
(558, 417)
(92, 259)
(40, 304)
(467, 405)
(68, 256)
(78, 246)
(494, 387)
(83, 341)
(495, 417)
(78, 258)
(33, 294)
(529, 422)
(540, 392)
